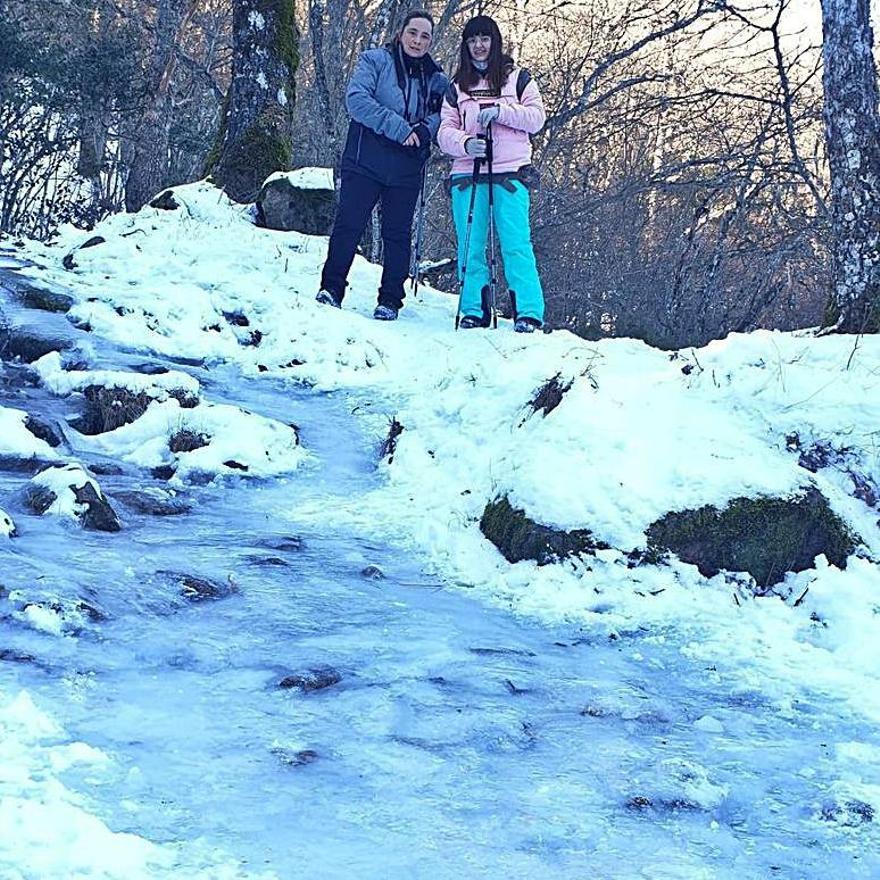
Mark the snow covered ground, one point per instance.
(650, 723)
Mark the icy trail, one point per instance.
(461, 742)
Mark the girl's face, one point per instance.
(416, 37)
(479, 47)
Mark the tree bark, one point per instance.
(852, 134)
(150, 159)
(255, 134)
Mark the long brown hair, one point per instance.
(500, 65)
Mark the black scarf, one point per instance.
(411, 70)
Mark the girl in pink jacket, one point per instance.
(489, 93)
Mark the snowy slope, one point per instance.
(640, 433)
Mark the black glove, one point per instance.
(424, 134)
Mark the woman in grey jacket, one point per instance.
(393, 99)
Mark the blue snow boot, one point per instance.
(328, 298)
(385, 313)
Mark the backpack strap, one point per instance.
(452, 95)
(522, 80)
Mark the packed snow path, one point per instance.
(460, 741)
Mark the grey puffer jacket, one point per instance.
(389, 96)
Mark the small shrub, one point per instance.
(186, 440)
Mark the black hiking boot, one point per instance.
(328, 298)
(471, 322)
(385, 313)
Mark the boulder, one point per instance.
(15, 464)
(69, 261)
(294, 757)
(165, 201)
(195, 588)
(765, 536)
(154, 502)
(33, 296)
(28, 344)
(98, 515)
(297, 201)
(315, 679)
(45, 430)
(517, 537)
(69, 491)
(284, 543)
(15, 378)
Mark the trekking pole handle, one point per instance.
(487, 137)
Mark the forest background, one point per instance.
(688, 185)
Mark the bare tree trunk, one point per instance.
(92, 145)
(852, 134)
(150, 161)
(316, 32)
(255, 134)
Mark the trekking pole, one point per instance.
(416, 262)
(467, 239)
(493, 268)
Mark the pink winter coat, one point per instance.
(510, 132)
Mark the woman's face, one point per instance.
(416, 37)
(479, 47)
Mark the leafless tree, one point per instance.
(852, 128)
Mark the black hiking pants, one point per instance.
(357, 197)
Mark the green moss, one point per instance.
(861, 317)
(286, 40)
(517, 537)
(765, 537)
(262, 144)
(263, 148)
(831, 315)
(213, 156)
(266, 143)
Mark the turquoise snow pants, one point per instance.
(514, 236)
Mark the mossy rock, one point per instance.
(765, 536)
(517, 537)
(283, 205)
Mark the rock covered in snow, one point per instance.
(113, 398)
(52, 613)
(7, 526)
(69, 491)
(301, 201)
(19, 439)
